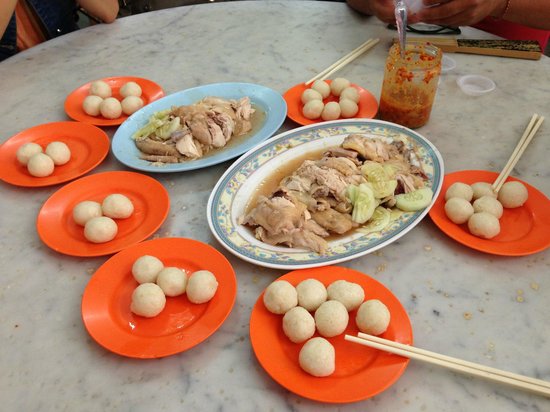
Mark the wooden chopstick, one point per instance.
(337, 65)
(459, 365)
(528, 134)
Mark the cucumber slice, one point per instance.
(369, 166)
(383, 189)
(381, 183)
(395, 214)
(363, 201)
(390, 170)
(413, 201)
(379, 220)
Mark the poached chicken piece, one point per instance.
(313, 202)
(189, 132)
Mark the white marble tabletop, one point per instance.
(483, 308)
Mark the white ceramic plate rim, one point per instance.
(229, 197)
(268, 100)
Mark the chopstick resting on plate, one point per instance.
(519, 381)
(348, 58)
(528, 134)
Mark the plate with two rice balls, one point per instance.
(237, 187)
(181, 325)
(360, 372)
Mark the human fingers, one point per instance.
(384, 11)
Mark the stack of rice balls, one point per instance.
(40, 162)
(311, 307)
(156, 282)
(340, 88)
(481, 207)
(98, 218)
(100, 100)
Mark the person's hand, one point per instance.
(459, 12)
(383, 9)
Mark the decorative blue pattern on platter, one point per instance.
(233, 191)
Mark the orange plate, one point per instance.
(58, 230)
(89, 145)
(368, 105)
(73, 103)
(361, 372)
(180, 326)
(523, 231)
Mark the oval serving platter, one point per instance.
(232, 193)
(263, 98)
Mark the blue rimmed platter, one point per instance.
(269, 102)
(234, 190)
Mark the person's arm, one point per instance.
(532, 13)
(104, 10)
(6, 11)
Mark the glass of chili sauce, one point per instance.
(410, 84)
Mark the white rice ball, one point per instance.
(458, 210)
(310, 94)
(117, 206)
(488, 204)
(484, 225)
(311, 293)
(130, 89)
(201, 286)
(298, 324)
(101, 89)
(40, 165)
(110, 108)
(312, 110)
(59, 152)
(373, 317)
(26, 151)
(84, 211)
(331, 318)
(350, 93)
(482, 189)
(280, 296)
(172, 281)
(322, 87)
(348, 108)
(100, 229)
(317, 357)
(459, 189)
(338, 85)
(146, 269)
(350, 294)
(513, 194)
(331, 111)
(91, 104)
(131, 104)
(148, 300)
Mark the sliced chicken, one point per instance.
(333, 221)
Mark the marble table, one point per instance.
(484, 308)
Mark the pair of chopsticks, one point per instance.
(519, 381)
(528, 134)
(348, 58)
